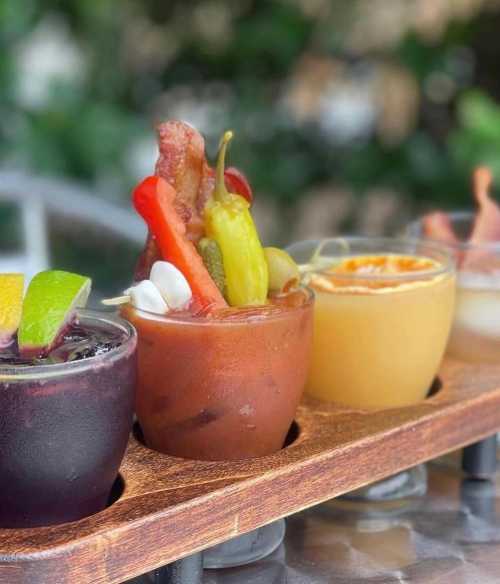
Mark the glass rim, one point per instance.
(204, 321)
(446, 259)
(462, 214)
(16, 373)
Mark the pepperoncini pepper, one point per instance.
(228, 221)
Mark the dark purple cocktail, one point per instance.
(64, 423)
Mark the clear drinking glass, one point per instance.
(380, 328)
(475, 334)
(224, 388)
(64, 428)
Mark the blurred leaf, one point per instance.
(85, 131)
(477, 138)
(480, 114)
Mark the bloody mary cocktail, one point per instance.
(224, 328)
(475, 333)
(225, 387)
(473, 237)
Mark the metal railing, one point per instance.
(37, 197)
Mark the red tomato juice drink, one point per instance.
(224, 387)
(224, 328)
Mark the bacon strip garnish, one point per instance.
(486, 227)
(487, 224)
(182, 163)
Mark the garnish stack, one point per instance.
(202, 236)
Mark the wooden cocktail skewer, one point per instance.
(116, 301)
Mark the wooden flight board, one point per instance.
(172, 507)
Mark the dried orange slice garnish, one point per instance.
(369, 272)
(383, 264)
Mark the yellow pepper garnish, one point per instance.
(228, 221)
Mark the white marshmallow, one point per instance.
(146, 296)
(172, 284)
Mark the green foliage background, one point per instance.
(143, 60)
(83, 129)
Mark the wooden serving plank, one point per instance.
(172, 507)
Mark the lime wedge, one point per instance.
(49, 305)
(11, 303)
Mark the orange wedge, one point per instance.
(11, 304)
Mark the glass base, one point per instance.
(409, 483)
(246, 548)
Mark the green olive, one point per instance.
(282, 268)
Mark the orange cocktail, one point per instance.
(225, 387)
(382, 319)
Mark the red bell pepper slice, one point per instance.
(154, 200)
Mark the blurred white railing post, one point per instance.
(39, 197)
(35, 234)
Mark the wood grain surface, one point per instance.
(172, 507)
